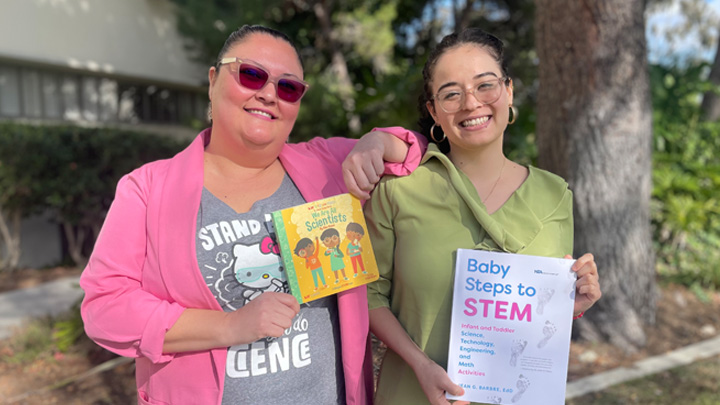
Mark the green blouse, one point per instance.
(416, 224)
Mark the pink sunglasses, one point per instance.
(254, 77)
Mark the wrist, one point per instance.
(394, 149)
(578, 316)
(224, 333)
(420, 361)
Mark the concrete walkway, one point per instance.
(651, 365)
(52, 298)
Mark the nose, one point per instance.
(471, 102)
(268, 92)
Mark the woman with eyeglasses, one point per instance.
(465, 194)
(186, 277)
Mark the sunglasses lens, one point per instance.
(252, 77)
(255, 78)
(290, 90)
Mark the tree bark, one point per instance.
(463, 16)
(711, 99)
(346, 89)
(75, 236)
(10, 235)
(594, 128)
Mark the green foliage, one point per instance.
(66, 332)
(384, 44)
(686, 177)
(41, 337)
(32, 341)
(71, 172)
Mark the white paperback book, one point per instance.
(511, 325)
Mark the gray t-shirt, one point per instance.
(239, 260)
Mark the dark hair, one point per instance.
(469, 36)
(242, 33)
(355, 227)
(302, 244)
(329, 232)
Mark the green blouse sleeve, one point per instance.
(563, 219)
(379, 217)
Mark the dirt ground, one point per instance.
(682, 319)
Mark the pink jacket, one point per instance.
(143, 272)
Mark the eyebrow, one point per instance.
(449, 84)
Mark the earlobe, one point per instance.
(510, 91)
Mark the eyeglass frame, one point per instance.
(504, 80)
(274, 80)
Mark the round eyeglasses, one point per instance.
(254, 77)
(485, 92)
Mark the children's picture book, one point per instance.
(510, 327)
(325, 247)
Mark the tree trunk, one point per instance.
(75, 236)
(346, 89)
(711, 99)
(594, 129)
(463, 17)
(10, 236)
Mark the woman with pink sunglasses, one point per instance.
(184, 276)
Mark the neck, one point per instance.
(231, 157)
(485, 162)
(234, 169)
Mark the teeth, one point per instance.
(475, 121)
(263, 113)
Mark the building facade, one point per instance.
(118, 63)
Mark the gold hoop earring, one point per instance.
(513, 114)
(432, 135)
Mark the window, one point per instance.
(31, 95)
(90, 98)
(108, 100)
(130, 104)
(71, 98)
(40, 93)
(9, 92)
(52, 100)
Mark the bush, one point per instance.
(686, 177)
(71, 172)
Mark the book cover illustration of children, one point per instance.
(337, 226)
(308, 250)
(331, 239)
(353, 249)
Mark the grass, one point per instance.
(695, 384)
(30, 342)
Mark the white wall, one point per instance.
(135, 38)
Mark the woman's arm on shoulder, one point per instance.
(363, 161)
(392, 150)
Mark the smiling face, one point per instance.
(331, 241)
(475, 125)
(253, 120)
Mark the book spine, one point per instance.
(286, 255)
